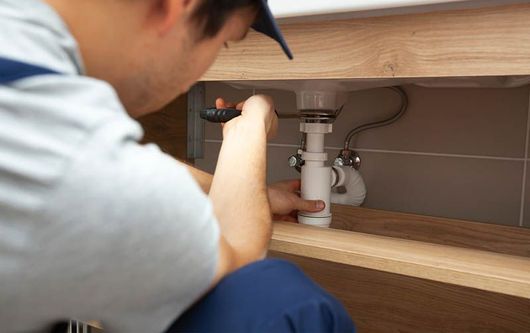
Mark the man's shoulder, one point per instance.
(61, 104)
(46, 121)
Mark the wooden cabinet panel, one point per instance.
(460, 43)
(435, 230)
(168, 128)
(391, 303)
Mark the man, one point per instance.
(96, 226)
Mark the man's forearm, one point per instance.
(239, 192)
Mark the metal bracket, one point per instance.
(348, 158)
(196, 103)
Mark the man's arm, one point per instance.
(239, 192)
(283, 196)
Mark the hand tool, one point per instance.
(215, 115)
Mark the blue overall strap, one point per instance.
(12, 70)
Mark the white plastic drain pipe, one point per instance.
(319, 109)
(352, 182)
(316, 176)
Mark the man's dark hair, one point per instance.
(212, 14)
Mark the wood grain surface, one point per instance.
(474, 235)
(476, 42)
(167, 128)
(382, 302)
(484, 270)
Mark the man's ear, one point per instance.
(165, 14)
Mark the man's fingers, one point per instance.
(312, 206)
(220, 103)
(294, 185)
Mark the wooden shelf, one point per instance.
(460, 43)
(484, 270)
(399, 272)
(460, 233)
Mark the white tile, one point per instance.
(277, 167)
(471, 189)
(489, 122)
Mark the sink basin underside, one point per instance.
(362, 84)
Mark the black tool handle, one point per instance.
(219, 115)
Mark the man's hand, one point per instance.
(283, 196)
(222, 104)
(285, 201)
(258, 109)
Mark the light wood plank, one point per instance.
(95, 324)
(483, 270)
(477, 42)
(391, 303)
(480, 236)
(168, 128)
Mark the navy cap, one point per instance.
(266, 24)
